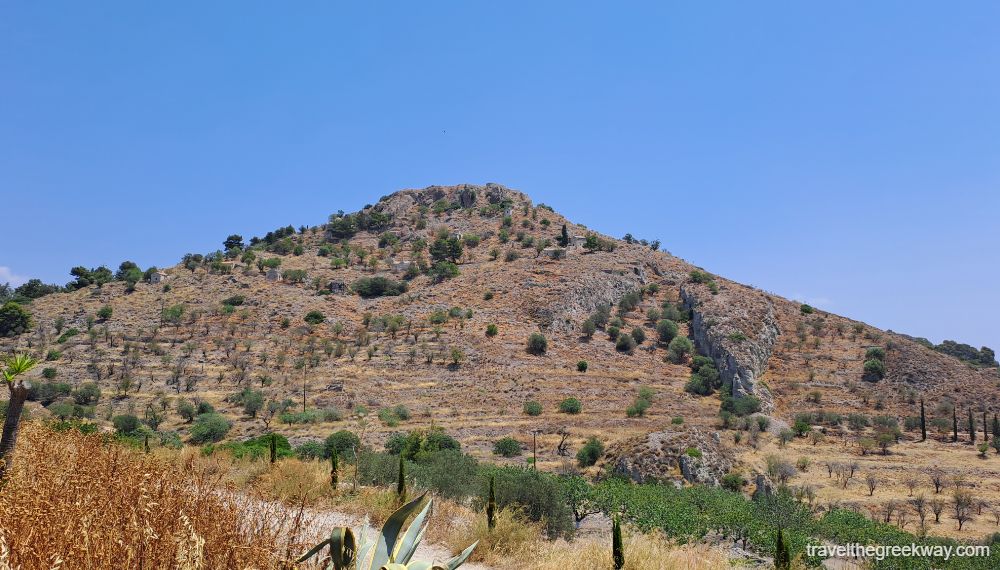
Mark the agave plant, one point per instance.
(391, 551)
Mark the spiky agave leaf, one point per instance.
(390, 531)
(411, 539)
(343, 548)
(461, 558)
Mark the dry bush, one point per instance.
(294, 481)
(93, 504)
(513, 537)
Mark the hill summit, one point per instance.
(472, 309)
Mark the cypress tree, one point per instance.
(617, 547)
(972, 428)
(274, 448)
(996, 426)
(401, 482)
(334, 478)
(986, 434)
(954, 423)
(491, 506)
(564, 237)
(782, 558)
(923, 422)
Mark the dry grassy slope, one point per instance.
(481, 399)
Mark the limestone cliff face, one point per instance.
(737, 328)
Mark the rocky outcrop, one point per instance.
(585, 294)
(737, 328)
(687, 454)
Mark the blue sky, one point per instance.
(846, 154)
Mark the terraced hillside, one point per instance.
(426, 301)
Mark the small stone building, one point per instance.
(272, 275)
(554, 252)
(400, 266)
(157, 277)
(577, 241)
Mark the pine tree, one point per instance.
(617, 547)
(923, 422)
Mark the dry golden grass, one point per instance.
(642, 552)
(76, 501)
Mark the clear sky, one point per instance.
(842, 153)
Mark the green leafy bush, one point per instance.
(533, 408)
(570, 406)
(537, 344)
(507, 447)
(209, 428)
(370, 287)
(590, 452)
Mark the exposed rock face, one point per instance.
(738, 330)
(662, 456)
(587, 292)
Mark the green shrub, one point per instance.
(259, 447)
(370, 287)
(87, 394)
(344, 442)
(234, 301)
(590, 452)
(874, 369)
(666, 330)
(311, 450)
(314, 317)
(581, 366)
(875, 353)
(537, 344)
(625, 343)
(679, 348)
(507, 447)
(538, 495)
(126, 424)
(491, 330)
(105, 312)
(699, 276)
(638, 335)
(733, 482)
(49, 373)
(677, 420)
(693, 452)
(14, 320)
(806, 309)
(533, 408)
(70, 333)
(209, 428)
(570, 406)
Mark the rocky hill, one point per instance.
(470, 272)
